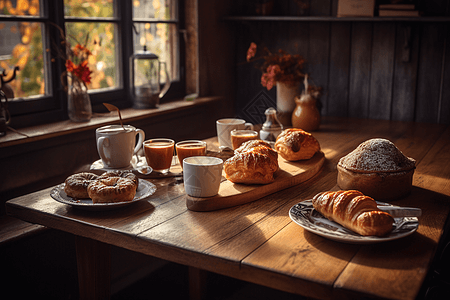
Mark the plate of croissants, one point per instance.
(351, 217)
(110, 190)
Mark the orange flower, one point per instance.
(80, 50)
(70, 66)
(251, 52)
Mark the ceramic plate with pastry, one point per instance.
(378, 169)
(296, 144)
(112, 189)
(352, 217)
(254, 162)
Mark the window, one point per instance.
(30, 39)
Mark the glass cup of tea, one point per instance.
(190, 148)
(238, 137)
(159, 153)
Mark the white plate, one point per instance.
(145, 189)
(307, 217)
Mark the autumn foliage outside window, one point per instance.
(21, 44)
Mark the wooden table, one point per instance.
(257, 241)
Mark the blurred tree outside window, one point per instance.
(25, 43)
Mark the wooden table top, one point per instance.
(259, 243)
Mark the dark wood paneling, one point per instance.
(429, 72)
(318, 58)
(444, 112)
(395, 70)
(337, 91)
(382, 66)
(405, 72)
(360, 62)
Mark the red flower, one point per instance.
(251, 52)
(280, 66)
(83, 72)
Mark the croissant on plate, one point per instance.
(355, 211)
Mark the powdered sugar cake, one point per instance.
(378, 169)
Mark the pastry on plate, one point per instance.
(355, 211)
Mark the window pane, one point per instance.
(159, 9)
(99, 38)
(21, 46)
(19, 8)
(89, 8)
(159, 38)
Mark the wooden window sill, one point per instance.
(45, 131)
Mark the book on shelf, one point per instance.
(397, 6)
(356, 8)
(398, 13)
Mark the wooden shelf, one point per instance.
(334, 19)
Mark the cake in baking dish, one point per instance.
(377, 168)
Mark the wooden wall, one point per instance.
(363, 66)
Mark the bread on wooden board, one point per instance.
(296, 144)
(254, 162)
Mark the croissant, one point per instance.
(254, 162)
(355, 211)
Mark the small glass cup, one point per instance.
(190, 148)
(159, 154)
(238, 137)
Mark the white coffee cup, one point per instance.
(224, 128)
(202, 175)
(116, 145)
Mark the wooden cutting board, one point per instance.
(232, 194)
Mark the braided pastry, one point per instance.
(355, 211)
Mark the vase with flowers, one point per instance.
(284, 71)
(79, 75)
(76, 78)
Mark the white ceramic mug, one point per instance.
(224, 128)
(117, 146)
(202, 175)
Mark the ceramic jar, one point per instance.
(306, 116)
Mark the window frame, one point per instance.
(53, 107)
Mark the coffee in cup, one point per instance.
(224, 128)
(190, 148)
(238, 137)
(159, 154)
(116, 144)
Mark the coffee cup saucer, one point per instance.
(138, 166)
